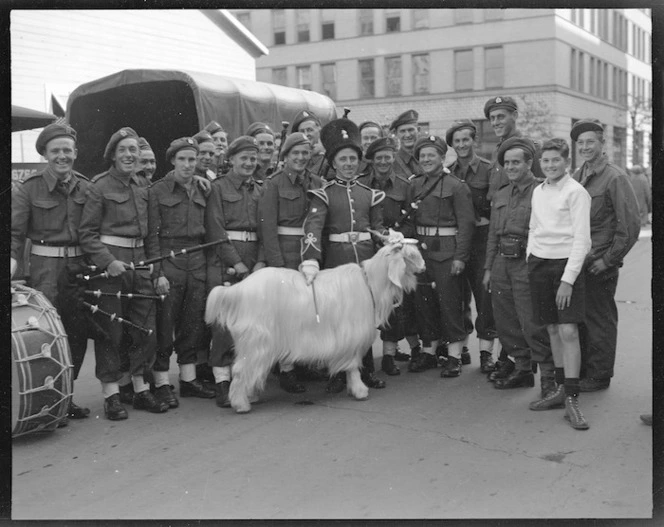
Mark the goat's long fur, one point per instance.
(271, 317)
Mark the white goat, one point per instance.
(271, 315)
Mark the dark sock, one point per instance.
(572, 386)
(559, 374)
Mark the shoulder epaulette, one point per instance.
(98, 177)
(79, 175)
(484, 160)
(319, 193)
(402, 178)
(414, 176)
(31, 176)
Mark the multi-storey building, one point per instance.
(560, 64)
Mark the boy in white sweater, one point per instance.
(558, 242)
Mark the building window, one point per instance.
(279, 26)
(420, 18)
(493, 14)
(485, 138)
(393, 21)
(280, 76)
(463, 68)
(581, 82)
(593, 21)
(592, 76)
(367, 79)
(604, 24)
(329, 80)
(302, 20)
(244, 19)
(393, 76)
(581, 20)
(421, 73)
(573, 75)
(605, 81)
(303, 77)
(572, 15)
(619, 146)
(493, 67)
(366, 22)
(328, 31)
(463, 16)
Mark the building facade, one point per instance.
(55, 51)
(560, 64)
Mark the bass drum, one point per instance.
(42, 378)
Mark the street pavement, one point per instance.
(424, 447)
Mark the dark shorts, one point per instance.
(544, 276)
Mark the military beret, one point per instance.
(383, 143)
(258, 128)
(122, 133)
(407, 117)
(371, 124)
(203, 137)
(213, 127)
(143, 144)
(183, 143)
(51, 132)
(244, 142)
(459, 125)
(516, 142)
(585, 125)
(430, 140)
(496, 103)
(294, 139)
(302, 116)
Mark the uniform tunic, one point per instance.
(614, 229)
(476, 176)
(406, 165)
(232, 206)
(117, 205)
(285, 204)
(176, 220)
(510, 291)
(48, 212)
(448, 205)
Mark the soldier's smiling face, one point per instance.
(60, 154)
(220, 142)
(265, 147)
(310, 129)
(126, 155)
(407, 134)
(147, 162)
(346, 162)
(516, 165)
(503, 121)
(430, 159)
(298, 157)
(244, 162)
(206, 152)
(184, 163)
(383, 161)
(462, 142)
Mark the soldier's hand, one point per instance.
(241, 270)
(457, 267)
(116, 268)
(564, 295)
(258, 266)
(204, 185)
(309, 269)
(486, 280)
(161, 285)
(598, 266)
(13, 264)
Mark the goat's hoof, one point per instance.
(361, 395)
(243, 409)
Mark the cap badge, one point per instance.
(344, 134)
(305, 114)
(432, 138)
(498, 100)
(190, 141)
(123, 133)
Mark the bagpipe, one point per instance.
(75, 294)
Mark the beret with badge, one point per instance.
(301, 117)
(372, 124)
(244, 142)
(123, 133)
(143, 144)
(183, 143)
(497, 103)
(294, 139)
(51, 132)
(383, 143)
(523, 143)
(213, 127)
(407, 117)
(430, 140)
(203, 137)
(259, 128)
(459, 125)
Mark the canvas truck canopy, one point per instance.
(162, 105)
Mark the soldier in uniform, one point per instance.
(506, 273)
(265, 138)
(308, 123)
(405, 128)
(282, 210)
(474, 171)
(206, 154)
(381, 176)
(147, 162)
(614, 229)
(231, 215)
(339, 218)
(46, 209)
(444, 222)
(112, 231)
(220, 138)
(369, 132)
(176, 221)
